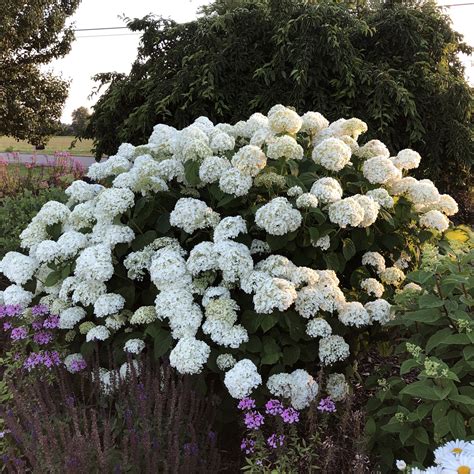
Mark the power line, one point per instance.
(104, 28)
(457, 5)
(107, 36)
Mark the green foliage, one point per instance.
(395, 66)
(17, 211)
(32, 34)
(80, 119)
(432, 398)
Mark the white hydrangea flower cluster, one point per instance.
(222, 198)
(242, 379)
(332, 153)
(134, 346)
(278, 217)
(337, 387)
(298, 386)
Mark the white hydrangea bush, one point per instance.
(259, 251)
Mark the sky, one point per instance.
(111, 50)
(115, 50)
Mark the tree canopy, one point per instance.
(395, 66)
(32, 33)
(80, 119)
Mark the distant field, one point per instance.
(82, 148)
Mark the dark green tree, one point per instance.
(80, 119)
(393, 65)
(32, 33)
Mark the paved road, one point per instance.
(41, 159)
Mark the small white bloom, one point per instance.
(372, 287)
(278, 217)
(107, 304)
(284, 147)
(407, 159)
(229, 228)
(346, 212)
(323, 243)
(225, 361)
(434, 220)
(284, 120)
(192, 214)
(380, 170)
(97, 333)
(233, 181)
(401, 465)
(379, 310)
(327, 190)
(249, 160)
(332, 153)
(242, 379)
(16, 295)
(373, 148)
(307, 201)
(337, 387)
(318, 327)
(134, 346)
(18, 268)
(333, 349)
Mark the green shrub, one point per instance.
(432, 398)
(16, 212)
(395, 66)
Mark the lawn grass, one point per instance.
(82, 148)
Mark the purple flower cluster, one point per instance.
(190, 449)
(51, 323)
(254, 420)
(247, 445)
(273, 407)
(77, 366)
(274, 441)
(19, 333)
(290, 415)
(42, 338)
(10, 311)
(246, 404)
(327, 405)
(46, 359)
(39, 310)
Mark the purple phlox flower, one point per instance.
(253, 420)
(33, 360)
(327, 405)
(19, 333)
(16, 356)
(10, 310)
(37, 325)
(274, 441)
(46, 358)
(39, 310)
(290, 415)
(247, 445)
(77, 365)
(190, 449)
(43, 337)
(273, 407)
(246, 404)
(51, 358)
(7, 326)
(3, 433)
(51, 323)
